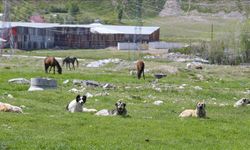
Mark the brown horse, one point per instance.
(52, 62)
(140, 69)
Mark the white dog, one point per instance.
(76, 105)
(119, 110)
(4, 107)
(198, 112)
(242, 102)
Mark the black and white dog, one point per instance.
(119, 110)
(76, 105)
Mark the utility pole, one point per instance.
(6, 27)
(138, 38)
(212, 32)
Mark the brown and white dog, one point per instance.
(140, 65)
(119, 110)
(4, 107)
(199, 112)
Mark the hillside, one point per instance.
(193, 24)
(109, 11)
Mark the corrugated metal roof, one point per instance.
(95, 27)
(115, 29)
(27, 24)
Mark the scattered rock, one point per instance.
(195, 65)
(74, 90)
(132, 72)
(197, 88)
(149, 57)
(200, 77)
(102, 94)
(181, 87)
(200, 60)
(89, 110)
(151, 97)
(19, 81)
(22, 106)
(158, 102)
(100, 63)
(108, 86)
(91, 83)
(66, 82)
(89, 95)
(158, 89)
(247, 92)
(10, 96)
(135, 97)
(77, 82)
(222, 104)
(159, 75)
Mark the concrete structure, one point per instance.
(30, 36)
(40, 84)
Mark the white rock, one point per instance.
(66, 81)
(181, 87)
(247, 92)
(108, 86)
(74, 90)
(158, 102)
(19, 81)
(197, 88)
(89, 95)
(10, 96)
(88, 110)
(158, 89)
(22, 106)
(99, 63)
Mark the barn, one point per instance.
(31, 36)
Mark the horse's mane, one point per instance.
(58, 65)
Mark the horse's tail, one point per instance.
(63, 62)
(45, 65)
(77, 63)
(143, 72)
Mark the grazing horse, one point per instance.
(52, 62)
(140, 69)
(70, 60)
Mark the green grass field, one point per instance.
(45, 123)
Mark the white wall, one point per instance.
(165, 45)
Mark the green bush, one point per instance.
(55, 9)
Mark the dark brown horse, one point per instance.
(140, 69)
(70, 60)
(52, 62)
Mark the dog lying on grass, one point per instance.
(119, 110)
(242, 102)
(76, 105)
(199, 112)
(4, 107)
